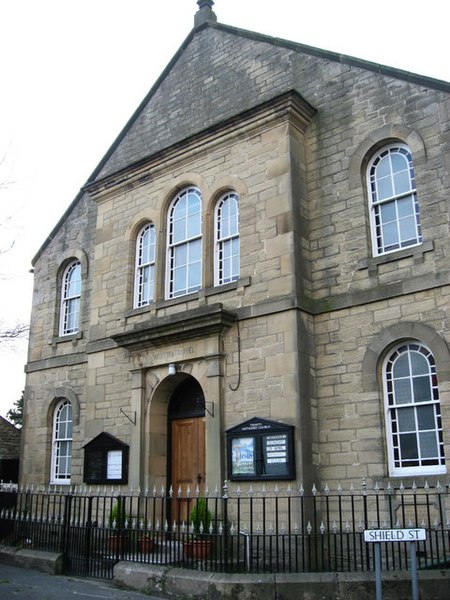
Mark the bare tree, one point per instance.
(17, 330)
(13, 332)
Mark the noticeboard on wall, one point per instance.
(260, 449)
(105, 460)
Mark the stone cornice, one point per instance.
(193, 324)
(290, 107)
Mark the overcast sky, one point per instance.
(73, 72)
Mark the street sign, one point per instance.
(411, 536)
(394, 535)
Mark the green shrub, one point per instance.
(200, 516)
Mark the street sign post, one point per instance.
(410, 536)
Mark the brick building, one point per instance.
(254, 283)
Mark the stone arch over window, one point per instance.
(404, 366)
(394, 334)
(359, 182)
(374, 141)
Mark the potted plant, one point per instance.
(146, 543)
(199, 546)
(117, 522)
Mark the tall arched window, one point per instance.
(70, 299)
(413, 412)
(62, 443)
(395, 218)
(144, 290)
(184, 264)
(227, 239)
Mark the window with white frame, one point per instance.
(184, 264)
(394, 208)
(70, 299)
(227, 239)
(144, 291)
(62, 443)
(413, 413)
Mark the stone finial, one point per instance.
(205, 13)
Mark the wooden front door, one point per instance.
(188, 462)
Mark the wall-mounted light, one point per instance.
(172, 369)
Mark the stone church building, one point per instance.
(254, 283)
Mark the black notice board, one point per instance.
(260, 449)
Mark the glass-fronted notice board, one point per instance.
(260, 449)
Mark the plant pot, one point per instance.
(146, 545)
(116, 544)
(198, 549)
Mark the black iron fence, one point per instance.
(231, 530)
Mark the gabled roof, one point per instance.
(197, 90)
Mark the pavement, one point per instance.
(17, 583)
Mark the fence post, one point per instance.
(66, 528)
(366, 519)
(88, 535)
(225, 525)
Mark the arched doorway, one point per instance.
(186, 435)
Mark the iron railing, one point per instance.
(234, 529)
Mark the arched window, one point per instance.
(62, 443)
(144, 290)
(70, 299)
(227, 239)
(413, 413)
(395, 218)
(184, 264)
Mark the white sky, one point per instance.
(73, 72)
